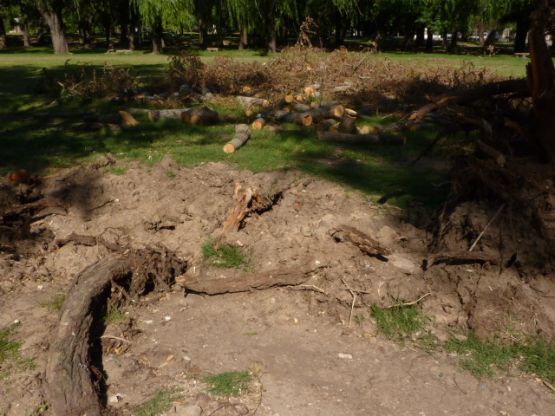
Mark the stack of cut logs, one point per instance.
(333, 121)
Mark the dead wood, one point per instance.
(365, 243)
(167, 114)
(253, 101)
(485, 91)
(72, 386)
(496, 155)
(348, 138)
(242, 135)
(258, 124)
(247, 201)
(251, 281)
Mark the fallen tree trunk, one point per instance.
(168, 114)
(252, 281)
(242, 135)
(72, 386)
(200, 116)
(348, 138)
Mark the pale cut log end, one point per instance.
(229, 148)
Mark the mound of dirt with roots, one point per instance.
(353, 253)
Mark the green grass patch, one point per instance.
(10, 352)
(158, 404)
(224, 255)
(114, 314)
(231, 383)
(398, 322)
(485, 358)
(118, 170)
(55, 303)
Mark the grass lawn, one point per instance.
(36, 139)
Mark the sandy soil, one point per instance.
(291, 338)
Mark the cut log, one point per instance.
(301, 108)
(251, 281)
(351, 112)
(289, 98)
(368, 129)
(258, 124)
(302, 119)
(348, 138)
(242, 134)
(168, 114)
(253, 101)
(300, 98)
(71, 378)
(365, 243)
(333, 111)
(348, 125)
(200, 116)
(329, 124)
(127, 120)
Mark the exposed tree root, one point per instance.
(73, 379)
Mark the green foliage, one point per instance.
(231, 383)
(224, 255)
(398, 322)
(158, 404)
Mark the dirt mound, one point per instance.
(383, 262)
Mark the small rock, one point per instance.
(167, 318)
(116, 398)
(344, 356)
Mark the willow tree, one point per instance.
(52, 12)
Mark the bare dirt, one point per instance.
(297, 340)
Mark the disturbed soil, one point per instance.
(313, 348)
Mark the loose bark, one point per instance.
(200, 115)
(252, 281)
(71, 383)
(364, 242)
(242, 135)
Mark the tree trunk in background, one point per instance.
(55, 23)
(26, 36)
(203, 34)
(420, 32)
(272, 38)
(243, 37)
(430, 41)
(107, 36)
(157, 35)
(454, 41)
(3, 38)
(133, 23)
(522, 28)
(481, 29)
(123, 16)
(541, 77)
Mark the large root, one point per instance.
(73, 380)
